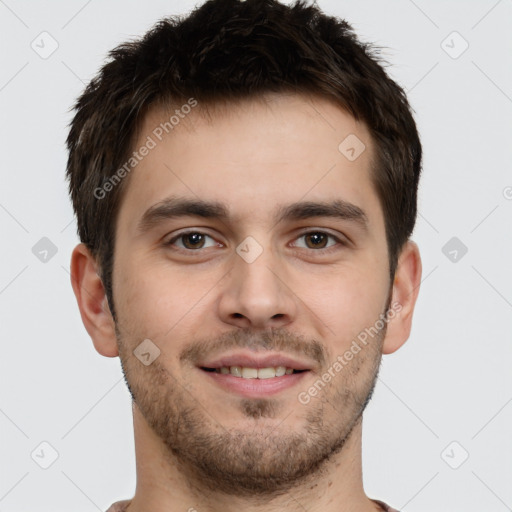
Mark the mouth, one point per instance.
(255, 377)
(247, 372)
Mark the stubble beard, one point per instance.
(265, 461)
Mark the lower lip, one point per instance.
(255, 388)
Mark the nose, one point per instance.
(256, 295)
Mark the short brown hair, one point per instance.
(223, 51)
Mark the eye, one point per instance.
(318, 240)
(192, 240)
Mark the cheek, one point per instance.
(347, 303)
(157, 302)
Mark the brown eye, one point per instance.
(319, 240)
(192, 240)
(316, 240)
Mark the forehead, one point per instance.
(252, 155)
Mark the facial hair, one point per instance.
(269, 459)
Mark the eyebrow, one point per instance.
(176, 207)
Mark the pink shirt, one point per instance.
(120, 506)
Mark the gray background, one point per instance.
(451, 382)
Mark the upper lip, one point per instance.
(252, 360)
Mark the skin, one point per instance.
(197, 445)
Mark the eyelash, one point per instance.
(325, 250)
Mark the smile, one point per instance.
(246, 372)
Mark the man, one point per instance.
(245, 183)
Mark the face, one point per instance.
(249, 245)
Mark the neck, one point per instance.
(163, 484)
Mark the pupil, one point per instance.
(318, 237)
(194, 238)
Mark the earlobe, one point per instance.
(406, 287)
(92, 301)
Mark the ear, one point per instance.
(92, 301)
(406, 286)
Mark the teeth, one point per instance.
(249, 373)
(255, 373)
(280, 371)
(236, 371)
(266, 373)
